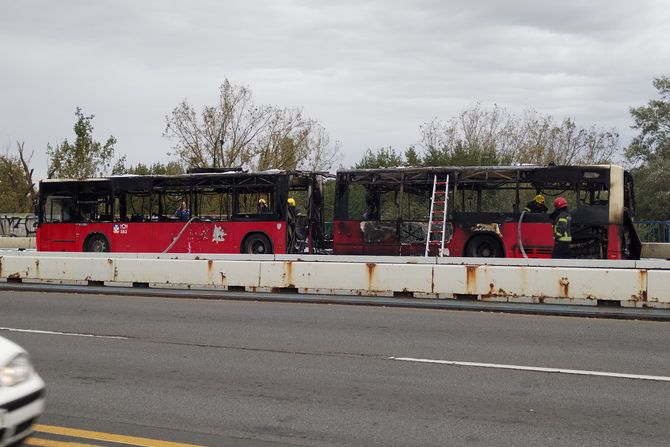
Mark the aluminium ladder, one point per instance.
(437, 223)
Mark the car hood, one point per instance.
(8, 350)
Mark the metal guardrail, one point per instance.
(653, 230)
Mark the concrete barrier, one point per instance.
(17, 242)
(625, 283)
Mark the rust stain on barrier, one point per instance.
(500, 292)
(210, 263)
(471, 279)
(1, 266)
(288, 268)
(371, 273)
(37, 268)
(564, 282)
(223, 278)
(642, 278)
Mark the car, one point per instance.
(22, 394)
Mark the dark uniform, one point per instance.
(562, 236)
(536, 207)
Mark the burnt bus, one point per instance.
(205, 211)
(393, 211)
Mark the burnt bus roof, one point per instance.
(478, 174)
(131, 181)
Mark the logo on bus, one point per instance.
(120, 229)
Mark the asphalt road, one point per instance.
(231, 373)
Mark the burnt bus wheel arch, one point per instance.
(484, 246)
(97, 243)
(256, 244)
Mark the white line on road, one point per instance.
(536, 368)
(73, 334)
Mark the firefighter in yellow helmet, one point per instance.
(536, 205)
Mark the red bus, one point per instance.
(226, 211)
(388, 211)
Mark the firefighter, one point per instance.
(536, 205)
(562, 236)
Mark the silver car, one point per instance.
(21, 394)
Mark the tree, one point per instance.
(17, 189)
(649, 154)
(236, 132)
(476, 137)
(496, 137)
(383, 157)
(86, 157)
(158, 168)
(540, 141)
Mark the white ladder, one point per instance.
(438, 208)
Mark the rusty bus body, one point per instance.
(386, 211)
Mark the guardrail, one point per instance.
(587, 282)
(653, 230)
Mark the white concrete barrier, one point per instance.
(17, 242)
(628, 283)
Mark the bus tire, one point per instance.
(96, 243)
(257, 244)
(484, 246)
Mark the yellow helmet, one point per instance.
(291, 201)
(262, 202)
(539, 198)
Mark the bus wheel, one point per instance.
(484, 246)
(96, 243)
(257, 244)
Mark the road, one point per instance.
(234, 373)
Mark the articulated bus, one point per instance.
(376, 212)
(226, 212)
(387, 211)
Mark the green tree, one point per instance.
(412, 157)
(170, 168)
(649, 153)
(84, 158)
(17, 190)
(383, 157)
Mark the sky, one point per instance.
(372, 72)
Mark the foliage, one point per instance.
(496, 137)
(86, 157)
(17, 191)
(383, 157)
(237, 132)
(649, 153)
(171, 168)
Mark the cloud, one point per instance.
(370, 71)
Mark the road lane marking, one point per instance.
(39, 442)
(536, 369)
(109, 437)
(73, 334)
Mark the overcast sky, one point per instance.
(370, 71)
